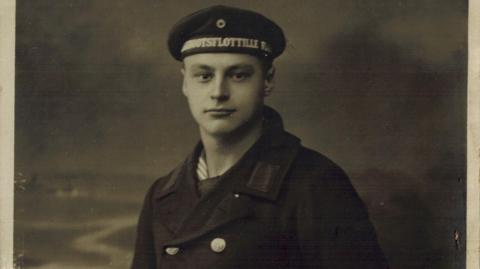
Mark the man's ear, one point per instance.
(269, 81)
(183, 83)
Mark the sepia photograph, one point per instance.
(240, 134)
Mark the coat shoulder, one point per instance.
(319, 168)
(163, 185)
(318, 177)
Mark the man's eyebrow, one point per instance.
(202, 66)
(246, 67)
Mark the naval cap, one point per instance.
(226, 29)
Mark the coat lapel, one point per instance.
(175, 200)
(271, 168)
(227, 211)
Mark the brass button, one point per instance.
(172, 250)
(218, 245)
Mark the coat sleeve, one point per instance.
(333, 229)
(144, 256)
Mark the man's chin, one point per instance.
(219, 132)
(229, 127)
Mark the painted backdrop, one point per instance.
(378, 86)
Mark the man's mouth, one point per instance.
(220, 112)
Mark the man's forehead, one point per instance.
(220, 60)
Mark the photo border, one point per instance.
(473, 137)
(7, 126)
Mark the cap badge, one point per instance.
(221, 23)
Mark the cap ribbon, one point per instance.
(226, 42)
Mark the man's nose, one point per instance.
(220, 89)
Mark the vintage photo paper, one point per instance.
(92, 113)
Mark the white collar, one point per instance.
(202, 169)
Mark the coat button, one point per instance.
(172, 250)
(236, 195)
(218, 245)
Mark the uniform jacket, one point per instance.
(281, 206)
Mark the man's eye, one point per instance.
(203, 77)
(239, 76)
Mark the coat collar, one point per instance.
(277, 153)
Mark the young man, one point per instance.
(249, 195)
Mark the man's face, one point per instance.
(225, 91)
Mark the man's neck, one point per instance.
(224, 152)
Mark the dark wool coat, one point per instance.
(281, 206)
